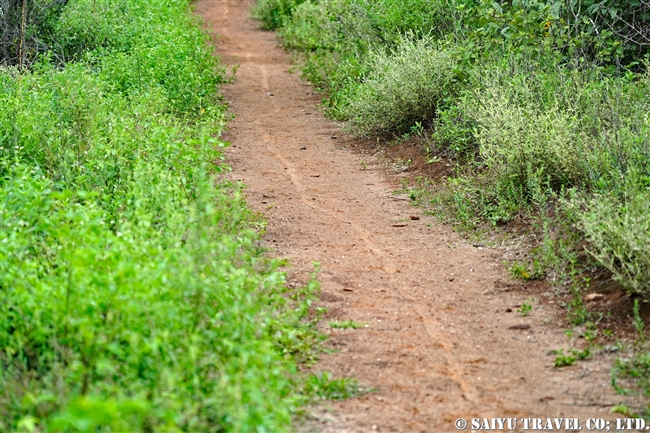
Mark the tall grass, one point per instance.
(134, 296)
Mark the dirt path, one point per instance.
(444, 340)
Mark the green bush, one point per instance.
(619, 234)
(550, 133)
(403, 86)
(274, 13)
(534, 146)
(311, 27)
(134, 295)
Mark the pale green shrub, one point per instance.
(536, 147)
(311, 27)
(556, 128)
(619, 233)
(405, 85)
(274, 13)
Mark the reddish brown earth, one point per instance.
(443, 339)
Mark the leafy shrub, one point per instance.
(274, 13)
(619, 234)
(549, 134)
(403, 86)
(453, 132)
(28, 29)
(311, 26)
(354, 25)
(134, 296)
(533, 145)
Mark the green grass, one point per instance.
(346, 324)
(565, 360)
(323, 387)
(134, 293)
(525, 309)
(632, 375)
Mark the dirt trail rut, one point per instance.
(443, 339)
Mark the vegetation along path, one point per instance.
(443, 339)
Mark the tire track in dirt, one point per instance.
(438, 343)
(296, 180)
(454, 370)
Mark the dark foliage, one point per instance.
(27, 29)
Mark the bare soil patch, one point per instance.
(444, 339)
